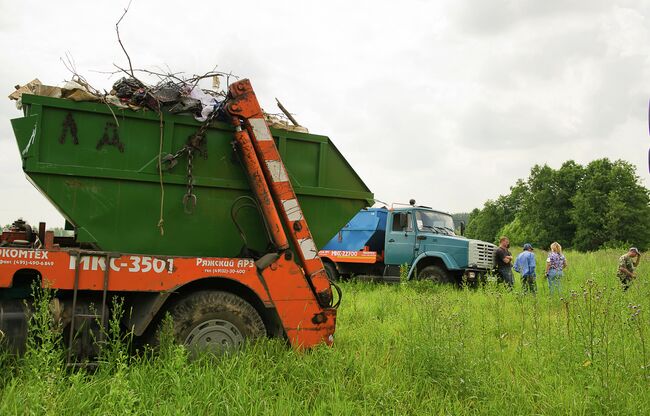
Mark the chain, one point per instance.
(200, 133)
(189, 199)
(194, 143)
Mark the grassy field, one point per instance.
(401, 349)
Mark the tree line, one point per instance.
(602, 204)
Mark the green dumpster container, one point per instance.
(99, 167)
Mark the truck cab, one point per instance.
(378, 241)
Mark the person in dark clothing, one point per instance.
(503, 262)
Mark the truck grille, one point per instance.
(481, 254)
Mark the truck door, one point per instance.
(400, 239)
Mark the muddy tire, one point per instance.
(436, 274)
(215, 322)
(331, 271)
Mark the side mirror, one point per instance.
(462, 228)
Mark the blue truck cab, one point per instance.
(377, 241)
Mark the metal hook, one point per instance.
(189, 203)
(168, 161)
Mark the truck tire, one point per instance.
(332, 273)
(215, 322)
(436, 274)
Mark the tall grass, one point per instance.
(410, 348)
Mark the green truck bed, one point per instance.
(105, 181)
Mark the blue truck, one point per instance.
(378, 242)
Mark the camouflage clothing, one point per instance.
(626, 262)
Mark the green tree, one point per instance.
(486, 223)
(567, 179)
(581, 207)
(628, 214)
(514, 201)
(546, 210)
(518, 232)
(610, 206)
(538, 213)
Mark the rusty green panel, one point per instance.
(104, 179)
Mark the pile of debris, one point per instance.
(174, 97)
(172, 94)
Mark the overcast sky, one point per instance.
(447, 102)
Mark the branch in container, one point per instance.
(117, 29)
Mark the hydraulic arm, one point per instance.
(215, 303)
(271, 185)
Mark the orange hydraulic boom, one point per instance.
(214, 302)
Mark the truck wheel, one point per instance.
(215, 321)
(332, 273)
(435, 274)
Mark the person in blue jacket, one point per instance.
(525, 265)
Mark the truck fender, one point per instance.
(448, 261)
(145, 306)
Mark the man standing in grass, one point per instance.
(626, 265)
(525, 264)
(503, 262)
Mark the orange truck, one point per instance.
(215, 302)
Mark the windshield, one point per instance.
(435, 221)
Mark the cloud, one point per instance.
(447, 102)
(499, 16)
(575, 82)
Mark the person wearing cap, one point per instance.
(626, 265)
(525, 265)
